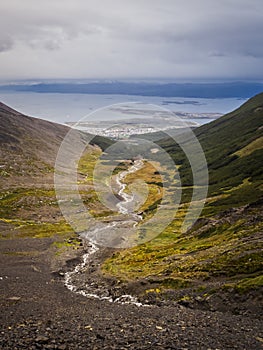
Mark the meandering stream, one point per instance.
(83, 279)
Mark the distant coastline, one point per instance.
(191, 90)
(64, 108)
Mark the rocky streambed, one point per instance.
(85, 279)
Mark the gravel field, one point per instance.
(39, 312)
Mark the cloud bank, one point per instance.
(132, 39)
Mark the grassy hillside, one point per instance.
(233, 149)
(223, 250)
(28, 150)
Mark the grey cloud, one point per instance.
(123, 38)
(217, 54)
(6, 44)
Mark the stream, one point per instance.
(84, 279)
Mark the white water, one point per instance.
(99, 292)
(127, 197)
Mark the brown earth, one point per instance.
(38, 312)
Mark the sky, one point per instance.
(138, 39)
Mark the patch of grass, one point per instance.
(250, 148)
(237, 262)
(153, 290)
(122, 166)
(87, 163)
(245, 284)
(37, 229)
(249, 284)
(153, 180)
(175, 283)
(215, 248)
(43, 229)
(72, 242)
(12, 201)
(63, 245)
(34, 211)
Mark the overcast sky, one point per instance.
(113, 39)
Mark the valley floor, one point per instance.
(38, 312)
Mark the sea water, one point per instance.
(63, 108)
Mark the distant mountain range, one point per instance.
(192, 90)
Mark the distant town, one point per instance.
(122, 129)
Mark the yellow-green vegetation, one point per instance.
(153, 290)
(43, 229)
(14, 200)
(250, 148)
(87, 164)
(153, 179)
(32, 210)
(62, 246)
(93, 204)
(211, 250)
(35, 229)
(67, 243)
(28, 203)
(245, 284)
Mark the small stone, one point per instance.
(88, 327)
(198, 298)
(36, 269)
(62, 347)
(41, 339)
(14, 298)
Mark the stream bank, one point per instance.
(85, 279)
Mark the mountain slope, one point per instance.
(224, 142)
(233, 149)
(222, 253)
(28, 151)
(28, 145)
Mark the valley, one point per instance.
(202, 287)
